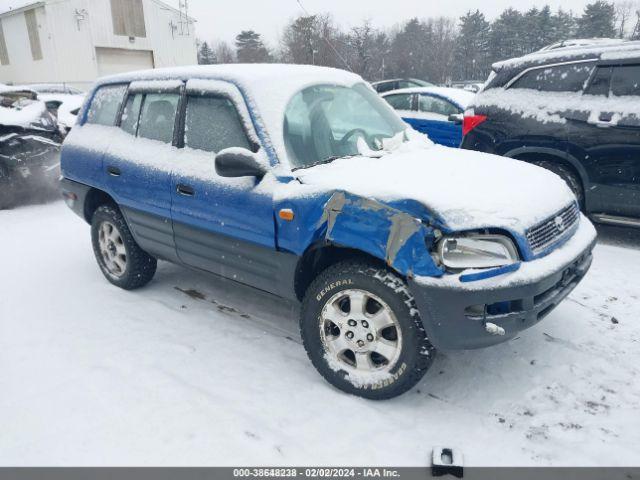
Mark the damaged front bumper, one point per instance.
(460, 316)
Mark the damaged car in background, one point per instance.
(320, 193)
(30, 140)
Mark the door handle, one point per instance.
(114, 171)
(185, 190)
(603, 121)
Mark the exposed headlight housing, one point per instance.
(477, 251)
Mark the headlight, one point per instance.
(477, 251)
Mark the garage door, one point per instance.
(120, 60)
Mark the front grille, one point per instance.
(554, 229)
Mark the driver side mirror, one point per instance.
(456, 118)
(239, 162)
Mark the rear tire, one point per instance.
(570, 178)
(120, 258)
(362, 331)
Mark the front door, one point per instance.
(433, 119)
(222, 225)
(606, 138)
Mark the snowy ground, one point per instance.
(193, 370)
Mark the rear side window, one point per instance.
(213, 124)
(600, 82)
(561, 78)
(400, 101)
(386, 87)
(158, 116)
(106, 104)
(131, 114)
(437, 105)
(625, 80)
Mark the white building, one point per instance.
(77, 41)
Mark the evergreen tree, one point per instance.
(597, 21)
(409, 48)
(206, 55)
(507, 34)
(472, 48)
(564, 25)
(250, 48)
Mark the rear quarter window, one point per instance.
(559, 78)
(106, 104)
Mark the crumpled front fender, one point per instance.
(394, 236)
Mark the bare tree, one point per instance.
(624, 15)
(224, 53)
(635, 34)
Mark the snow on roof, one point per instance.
(268, 88)
(23, 115)
(460, 97)
(582, 42)
(15, 88)
(7, 6)
(577, 52)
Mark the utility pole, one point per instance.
(183, 6)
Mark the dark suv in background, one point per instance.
(574, 111)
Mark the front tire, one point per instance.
(120, 258)
(362, 331)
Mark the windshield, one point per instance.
(325, 122)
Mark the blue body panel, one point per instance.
(440, 132)
(242, 214)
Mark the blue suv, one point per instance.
(303, 182)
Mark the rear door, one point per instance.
(139, 161)
(606, 137)
(222, 225)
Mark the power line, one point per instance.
(335, 50)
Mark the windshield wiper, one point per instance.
(321, 162)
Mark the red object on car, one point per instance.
(471, 121)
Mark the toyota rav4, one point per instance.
(303, 182)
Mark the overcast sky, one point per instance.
(223, 19)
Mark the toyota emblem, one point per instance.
(559, 224)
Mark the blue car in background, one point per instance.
(436, 111)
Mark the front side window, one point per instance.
(401, 101)
(437, 106)
(560, 78)
(625, 80)
(213, 124)
(325, 122)
(106, 104)
(158, 117)
(131, 114)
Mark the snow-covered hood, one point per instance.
(466, 189)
